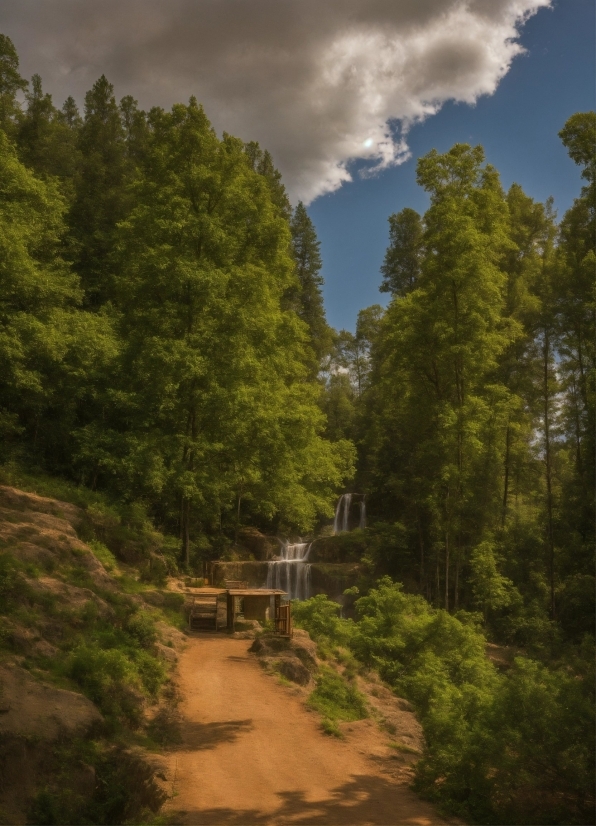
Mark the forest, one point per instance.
(164, 344)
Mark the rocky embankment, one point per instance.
(72, 649)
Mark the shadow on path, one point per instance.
(362, 800)
(200, 736)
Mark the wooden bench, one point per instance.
(203, 613)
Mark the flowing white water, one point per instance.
(292, 572)
(342, 512)
(362, 524)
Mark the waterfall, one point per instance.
(345, 500)
(362, 524)
(292, 572)
(342, 512)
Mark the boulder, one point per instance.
(292, 669)
(37, 710)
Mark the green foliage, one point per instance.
(10, 84)
(336, 700)
(125, 788)
(308, 298)
(320, 617)
(401, 267)
(116, 679)
(511, 747)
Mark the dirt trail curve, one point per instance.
(253, 754)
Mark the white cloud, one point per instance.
(318, 82)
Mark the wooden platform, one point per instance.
(203, 613)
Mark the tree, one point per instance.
(215, 415)
(46, 344)
(10, 84)
(401, 267)
(101, 198)
(47, 138)
(437, 408)
(574, 301)
(309, 299)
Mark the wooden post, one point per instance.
(230, 607)
(277, 600)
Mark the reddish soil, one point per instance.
(254, 754)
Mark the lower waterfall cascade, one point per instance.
(291, 573)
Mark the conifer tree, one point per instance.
(309, 299)
(101, 198)
(11, 83)
(401, 267)
(46, 139)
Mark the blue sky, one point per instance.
(518, 128)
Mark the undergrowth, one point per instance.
(336, 700)
(511, 747)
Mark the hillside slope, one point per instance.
(84, 668)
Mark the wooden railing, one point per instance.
(283, 619)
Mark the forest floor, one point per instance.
(253, 753)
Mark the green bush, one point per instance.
(501, 748)
(141, 627)
(336, 699)
(116, 680)
(125, 788)
(320, 617)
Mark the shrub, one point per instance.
(336, 699)
(320, 617)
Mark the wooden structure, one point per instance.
(283, 619)
(202, 615)
(256, 602)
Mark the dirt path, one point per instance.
(253, 754)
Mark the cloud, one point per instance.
(320, 83)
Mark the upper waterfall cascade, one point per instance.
(342, 512)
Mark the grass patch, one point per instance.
(331, 728)
(105, 556)
(336, 700)
(401, 747)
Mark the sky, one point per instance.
(517, 126)
(346, 94)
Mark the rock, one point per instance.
(291, 668)
(247, 625)
(42, 711)
(20, 500)
(71, 595)
(169, 634)
(166, 652)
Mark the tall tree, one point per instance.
(309, 299)
(437, 406)
(46, 139)
(101, 198)
(11, 83)
(575, 308)
(47, 346)
(401, 267)
(215, 414)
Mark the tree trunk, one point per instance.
(506, 480)
(446, 570)
(548, 462)
(186, 532)
(421, 544)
